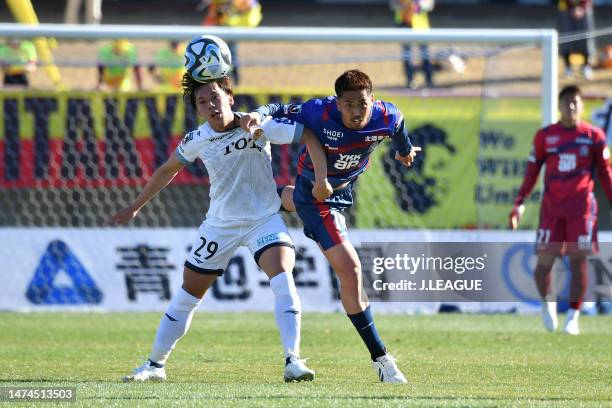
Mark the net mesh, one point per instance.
(75, 156)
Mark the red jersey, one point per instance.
(571, 157)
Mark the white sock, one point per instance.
(573, 314)
(173, 325)
(288, 312)
(551, 306)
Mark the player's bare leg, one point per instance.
(277, 262)
(173, 325)
(542, 277)
(578, 286)
(287, 198)
(344, 260)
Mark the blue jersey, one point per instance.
(347, 150)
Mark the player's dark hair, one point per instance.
(191, 86)
(570, 90)
(353, 80)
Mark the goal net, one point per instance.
(72, 155)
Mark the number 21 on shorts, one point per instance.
(542, 236)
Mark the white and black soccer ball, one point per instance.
(207, 58)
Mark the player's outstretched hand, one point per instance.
(408, 159)
(121, 217)
(322, 190)
(515, 216)
(250, 121)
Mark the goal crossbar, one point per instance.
(547, 39)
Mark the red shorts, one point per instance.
(567, 235)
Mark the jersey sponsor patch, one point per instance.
(584, 140)
(294, 109)
(584, 151)
(188, 138)
(375, 138)
(552, 139)
(286, 121)
(267, 239)
(567, 162)
(333, 134)
(347, 161)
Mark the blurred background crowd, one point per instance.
(585, 53)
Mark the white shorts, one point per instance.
(211, 252)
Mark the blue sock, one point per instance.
(364, 323)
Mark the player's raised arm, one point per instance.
(602, 162)
(160, 179)
(254, 119)
(404, 151)
(276, 110)
(284, 131)
(534, 164)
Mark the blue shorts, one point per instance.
(323, 220)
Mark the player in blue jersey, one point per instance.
(349, 126)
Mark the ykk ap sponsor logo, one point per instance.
(347, 161)
(567, 162)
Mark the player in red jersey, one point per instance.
(571, 149)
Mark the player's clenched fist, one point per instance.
(249, 121)
(322, 190)
(409, 158)
(515, 216)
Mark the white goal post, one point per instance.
(546, 39)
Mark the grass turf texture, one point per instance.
(235, 360)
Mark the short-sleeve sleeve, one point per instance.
(190, 147)
(282, 130)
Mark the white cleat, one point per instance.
(296, 370)
(145, 373)
(387, 370)
(571, 324)
(549, 316)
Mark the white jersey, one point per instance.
(242, 187)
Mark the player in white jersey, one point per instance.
(243, 211)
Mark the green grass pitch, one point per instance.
(235, 360)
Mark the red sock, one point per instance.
(579, 282)
(542, 279)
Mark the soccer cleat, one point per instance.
(571, 324)
(146, 372)
(549, 315)
(387, 370)
(296, 370)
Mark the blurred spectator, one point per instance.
(414, 15)
(116, 61)
(17, 59)
(169, 66)
(605, 59)
(576, 17)
(232, 13)
(93, 11)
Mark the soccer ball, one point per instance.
(207, 58)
